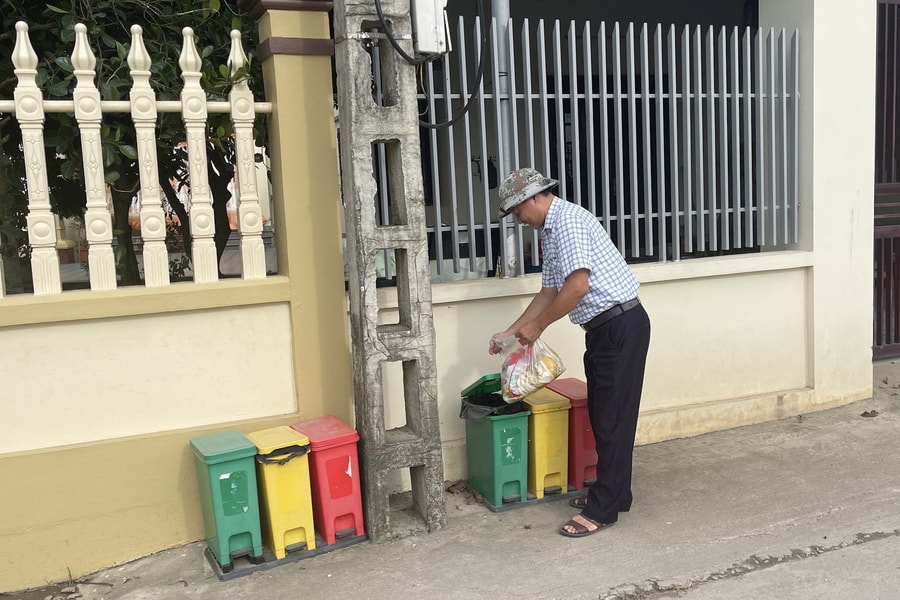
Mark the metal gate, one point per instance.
(887, 184)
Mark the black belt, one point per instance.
(608, 314)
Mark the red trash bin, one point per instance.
(582, 447)
(334, 474)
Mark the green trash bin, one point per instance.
(226, 473)
(496, 443)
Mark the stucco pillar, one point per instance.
(295, 48)
(836, 150)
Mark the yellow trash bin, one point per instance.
(282, 463)
(548, 443)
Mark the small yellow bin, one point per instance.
(548, 443)
(282, 463)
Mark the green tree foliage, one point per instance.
(108, 22)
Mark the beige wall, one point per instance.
(85, 381)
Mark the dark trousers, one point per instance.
(614, 360)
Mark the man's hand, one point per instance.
(529, 332)
(495, 346)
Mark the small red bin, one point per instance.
(582, 447)
(334, 477)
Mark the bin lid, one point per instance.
(489, 384)
(221, 447)
(326, 432)
(572, 388)
(545, 400)
(275, 438)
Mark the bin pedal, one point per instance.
(553, 489)
(590, 481)
(511, 498)
(295, 547)
(348, 532)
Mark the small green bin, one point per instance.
(496, 442)
(226, 473)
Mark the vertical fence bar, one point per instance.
(662, 242)
(529, 119)
(451, 146)
(699, 177)
(617, 116)
(795, 135)
(773, 147)
(541, 41)
(786, 216)
(747, 114)
(467, 135)
(686, 116)
(574, 129)
(673, 146)
(724, 176)
(589, 117)
(193, 111)
(435, 169)
(711, 138)
(485, 188)
(143, 113)
(736, 203)
(250, 221)
(761, 203)
(513, 95)
(648, 160)
(500, 94)
(30, 115)
(604, 129)
(560, 116)
(634, 215)
(97, 222)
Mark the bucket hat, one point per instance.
(521, 185)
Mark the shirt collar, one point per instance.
(551, 216)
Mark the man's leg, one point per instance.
(614, 360)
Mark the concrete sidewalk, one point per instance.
(804, 507)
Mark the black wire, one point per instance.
(479, 75)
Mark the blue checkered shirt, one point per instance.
(571, 239)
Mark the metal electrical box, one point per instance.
(430, 27)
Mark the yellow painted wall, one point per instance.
(76, 509)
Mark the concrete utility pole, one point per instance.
(391, 123)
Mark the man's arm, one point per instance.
(556, 305)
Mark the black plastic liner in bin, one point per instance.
(476, 408)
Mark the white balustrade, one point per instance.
(250, 222)
(88, 109)
(143, 113)
(193, 112)
(30, 114)
(97, 222)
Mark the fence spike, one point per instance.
(189, 61)
(83, 58)
(138, 59)
(24, 57)
(237, 58)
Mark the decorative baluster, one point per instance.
(253, 253)
(143, 112)
(30, 114)
(193, 111)
(97, 222)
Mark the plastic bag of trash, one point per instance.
(526, 368)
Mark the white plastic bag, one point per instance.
(526, 369)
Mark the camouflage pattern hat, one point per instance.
(521, 185)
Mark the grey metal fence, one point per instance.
(681, 140)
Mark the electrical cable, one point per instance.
(479, 74)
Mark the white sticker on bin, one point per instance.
(349, 470)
